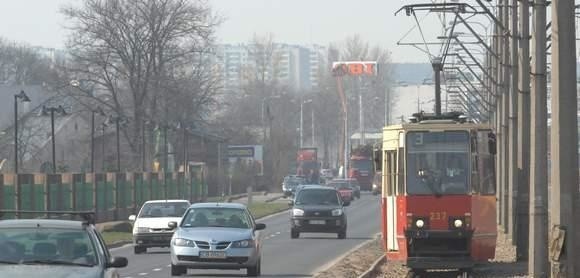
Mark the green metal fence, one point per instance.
(113, 196)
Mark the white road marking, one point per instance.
(168, 265)
(143, 274)
(277, 233)
(157, 269)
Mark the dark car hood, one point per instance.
(317, 207)
(52, 271)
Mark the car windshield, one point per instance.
(216, 217)
(37, 245)
(317, 197)
(437, 162)
(169, 209)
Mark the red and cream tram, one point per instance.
(438, 193)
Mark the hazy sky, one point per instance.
(39, 23)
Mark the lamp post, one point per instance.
(264, 116)
(24, 98)
(302, 102)
(93, 112)
(117, 120)
(60, 110)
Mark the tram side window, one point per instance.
(475, 181)
(401, 172)
(391, 172)
(486, 165)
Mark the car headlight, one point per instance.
(297, 212)
(337, 212)
(420, 223)
(374, 186)
(142, 229)
(458, 223)
(183, 242)
(243, 243)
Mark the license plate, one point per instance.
(317, 222)
(212, 254)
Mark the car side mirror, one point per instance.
(290, 203)
(346, 203)
(118, 262)
(172, 224)
(132, 218)
(260, 226)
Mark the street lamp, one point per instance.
(264, 112)
(24, 98)
(117, 120)
(93, 112)
(302, 120)
(46, 110)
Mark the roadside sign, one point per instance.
(355, 68)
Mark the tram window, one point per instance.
(391, 172)
(486, 164)
(400, 172)
(439, 164)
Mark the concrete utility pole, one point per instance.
(504, 110)
(523, 196)
(513, 127)
(538, 255)
(564, 143)
(497, 101)
(505, 115)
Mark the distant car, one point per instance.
(318, 209)
(150, 225)
(343, 183)
(377, 183)
(216, 236)
(290, 184)
(55, 248)
(326, 174)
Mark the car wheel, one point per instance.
(256, 270)
(178, 270)
(294, 234)
(139, 249)
(342, 234)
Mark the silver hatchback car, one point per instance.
(216, 236)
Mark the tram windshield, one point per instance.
(437, 163)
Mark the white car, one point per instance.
(150, 228)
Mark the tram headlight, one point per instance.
(458, 223)
(419, 223)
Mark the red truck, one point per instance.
(308, 166)
(361, 166)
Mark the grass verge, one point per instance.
(112, 237)
(259, 210)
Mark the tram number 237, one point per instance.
(441, 215)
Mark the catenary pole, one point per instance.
(523, 159)
(564, 140)
(538, 256)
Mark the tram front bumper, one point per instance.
(430, 249)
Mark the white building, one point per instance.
(294, 65)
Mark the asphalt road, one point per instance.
(281, 256)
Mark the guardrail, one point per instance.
(112, 196)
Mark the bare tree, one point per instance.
(20, 64)
(139, 53)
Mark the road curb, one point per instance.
(373, 268)
(328, 265)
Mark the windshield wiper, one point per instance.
(8, 262)
(55, 262)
